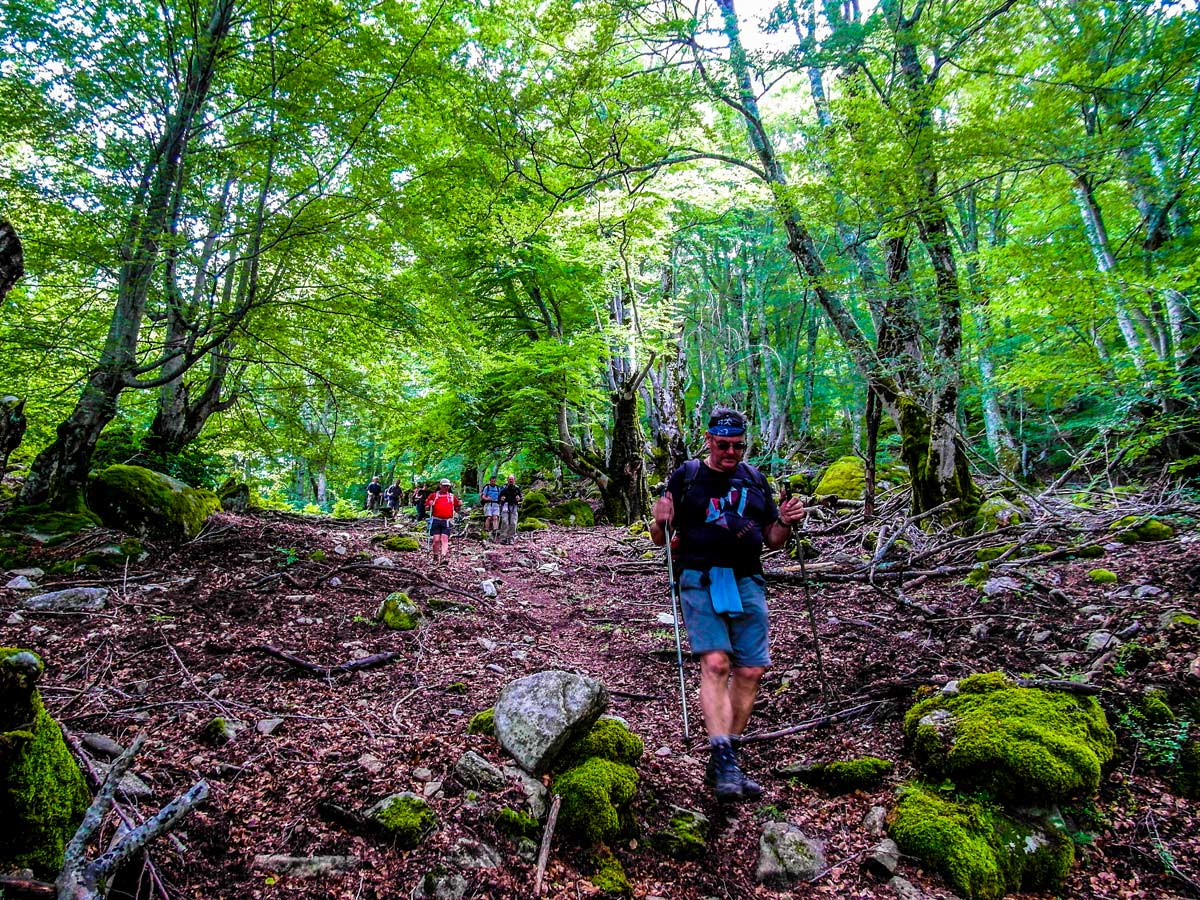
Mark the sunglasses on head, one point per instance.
(738, 446)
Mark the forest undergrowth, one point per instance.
(896, 607)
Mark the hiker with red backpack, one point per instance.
(442, 506)
(722, 512)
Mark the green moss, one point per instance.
(1102, 576)
(404, 819)
(844, 776)
(801, 483)
(15, 551)
(42, 792)
(149, 504)
(1187, 780)
(610, 738)
(398, 612)
(685, 836)
(1020, 744)
(531, 524)
(441, 604)
(996, 512)
(1156, 709)
(573, 512)
(609, 877)
(401, 543)
(595, 799)
(638, 528)
(846, 479)
(456, 687)
(1131, 530)
(1088, 551)
(515, 825)
(978, 576)
(48, 525)
(535, 505)
(983, 853)
(987, 554)
(483, 722)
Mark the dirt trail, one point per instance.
(174, 651)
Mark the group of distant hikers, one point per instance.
(717, 514)
(440, 505)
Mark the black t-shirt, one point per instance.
(720, 521)
(374, 487)
(510, 494)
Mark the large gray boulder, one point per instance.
(78, 599)
(536, 716)
(786, 855)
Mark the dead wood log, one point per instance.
(1059, 684)
(353, 665)
(12, 886)
(547, 838)
(819, 722)
(84, 879)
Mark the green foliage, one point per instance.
(344, 509)
(1020, 744)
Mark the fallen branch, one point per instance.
(367, 662)
(628, 696)
(547, 838)
(83, 879)
(811, 723)
(12, 886)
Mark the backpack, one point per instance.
(443, 506)
(490, 493)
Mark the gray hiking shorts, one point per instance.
(743, 637)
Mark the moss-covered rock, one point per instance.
(1088, 551)
(573, 512)
(638, 528)
(609, 876)
(515, 824)
(596, 795)
(1102, 576)
(46, 525)
(535, 505)
(685, 836)
(802, 482)
(846, 479)
(483, 722)
(531, 524)
(234, 495)
(987, 554)
(42, 792)
(982, 852)
(996, 512)
(842, 776)
(1132, 530)
(398, 612)
(1020, 744)
(401, 543)
(610, 738)
(404, 819)
(1187, 778)
(149, 504)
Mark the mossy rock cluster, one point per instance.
(398, 612)
(46, 525)
(609, 877)
(846, 479)
(404, 819)
(149, 504)
(1022, 745)
(802, 482)
(535, 505)
(42, 792)
(981, 850)
(685, 836)
(998, 748)
(515, 824)
(1102, 576)
(997, 512)
(573, 512)
(1133, 530)
(531, 523)
(843, 776)
(597, 782)
(401, 543)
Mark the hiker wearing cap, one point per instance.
(442, 506)
(722, 513)
(510, 499)
(490, 495)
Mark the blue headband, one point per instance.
(726, 426)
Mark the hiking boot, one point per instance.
(724, 775)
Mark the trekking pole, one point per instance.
(801, 553)
(676, 613)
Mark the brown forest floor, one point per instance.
(173, 651)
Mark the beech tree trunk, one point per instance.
(12, 258)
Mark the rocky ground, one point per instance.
(180, 640)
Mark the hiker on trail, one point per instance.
(510, 499)
(374, 493)
(392, 498)
(722, 512)
(442, 506)
(420, 495)
(490, 495)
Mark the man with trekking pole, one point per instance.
(721, 512)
